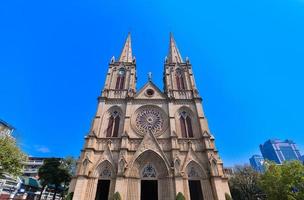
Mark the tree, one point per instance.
(54, 172)
(244, 184)
(68, 163)
(284, 181)
(11, 157)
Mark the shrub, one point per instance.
(180, 196)
(116, 196)
(227, 197)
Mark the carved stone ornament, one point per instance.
(192, 172)
(149, 171)
(149, 118)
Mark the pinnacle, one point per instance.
(174, 55)
(126, 54)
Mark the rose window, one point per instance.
(149, 118)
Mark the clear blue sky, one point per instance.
(247, 56)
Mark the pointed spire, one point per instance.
(126, 54)
(173, 55)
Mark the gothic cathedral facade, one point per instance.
(149, 144)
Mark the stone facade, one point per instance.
(149, 135)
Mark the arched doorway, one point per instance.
(149, 185)
(195, 175)
(148, 174)
(105, 181)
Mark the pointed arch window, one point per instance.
(120, 80)
(113, 125)
(186, 125)
(180, 82)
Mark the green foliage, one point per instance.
(11, 157)
(283, 181)
(69, 163)
(69, 196)
(116, 196)
(227, 197)
(180, 196)
(54, 172)
(244, 184)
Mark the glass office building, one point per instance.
(257, 163)
(280, 151)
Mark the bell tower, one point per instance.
(178, 76)
(121, 77)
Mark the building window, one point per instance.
(186, 125)
(180, 82)
(113, 125)
(120, 81)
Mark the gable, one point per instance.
(149, 91)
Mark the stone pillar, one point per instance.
(165, 189)
(133, 189)
(121, 186)
(220, 187)
(206, 189)
(80, 188)
(91, 188)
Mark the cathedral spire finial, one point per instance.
(126, 54)
(174, 55)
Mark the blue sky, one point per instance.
(247, 57)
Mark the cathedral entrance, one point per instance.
(149, 190)
(195, 190)
(103, 188)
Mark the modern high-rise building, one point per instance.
(150, 144)
(257, 163)
(280, 151)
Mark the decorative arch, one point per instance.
(180, 79)
(145, 159)
(113, 119)
(104, 170)
(195, 171)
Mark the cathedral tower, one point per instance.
(149, 144)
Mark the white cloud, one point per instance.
(42, 149)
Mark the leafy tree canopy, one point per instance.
(283, 181)
(244, 184)
(56, 172)
(11, 157)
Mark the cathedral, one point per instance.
(149, 144)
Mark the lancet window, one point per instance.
(120, 81)
(113, 125)
(186, 125)
(180, 82)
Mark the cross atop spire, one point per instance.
(174, 55)
(126, 54)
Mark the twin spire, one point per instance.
(173, 55)
(126, 54)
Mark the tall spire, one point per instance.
(174, 55)
(126, 54)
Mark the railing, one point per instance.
(116, 93)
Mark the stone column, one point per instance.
(121, 186)
(133, 189)
(80, 188)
